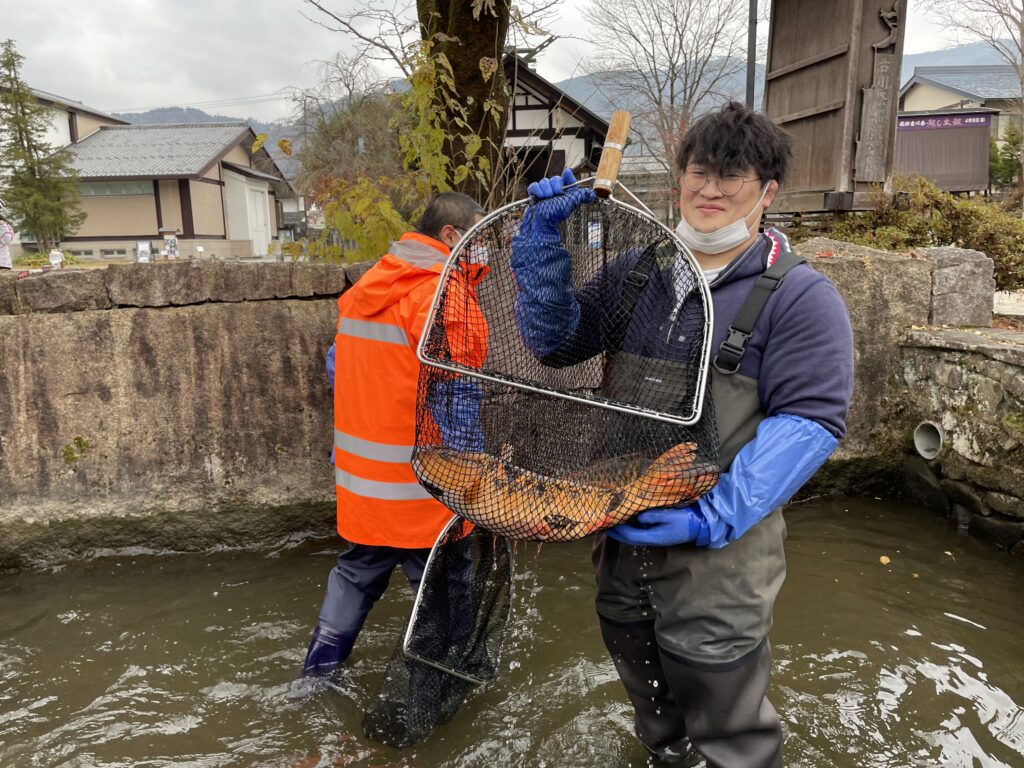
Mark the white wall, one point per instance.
(575, 149)
(537, 120)
(236, 207)
(922, 97)
(239, 208)
(293, 204)
(59, 132)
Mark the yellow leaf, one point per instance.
(488, 66)
(443, 61)
(884, 560)
(285, 146)
(257, 145)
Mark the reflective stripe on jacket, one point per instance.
(380, 320)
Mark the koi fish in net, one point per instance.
(526, 506)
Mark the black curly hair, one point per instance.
(734, 138)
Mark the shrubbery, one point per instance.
(294, 250)
(35, 260)
(920, 214)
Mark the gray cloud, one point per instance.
(130, 54)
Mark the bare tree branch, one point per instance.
(382, 33)
(666, 59)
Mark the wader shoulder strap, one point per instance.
(727, 360)
(632, 286)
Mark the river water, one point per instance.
(190, 660)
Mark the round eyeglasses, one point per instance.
(728, 184)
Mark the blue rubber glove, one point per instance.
(330, 365)
(659, 528)
(554, 205)
(330, 377)
(546, 188)
(546, 308)
(784, 454)
(455, 406)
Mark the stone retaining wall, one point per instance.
(970, 384)
(184, 405)
(926, 351)
(192, 393)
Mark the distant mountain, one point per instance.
(169, 115)
(174, 115)
(958, 56)
(587, 89)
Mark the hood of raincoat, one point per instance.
(410, 261)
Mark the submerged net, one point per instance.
(546, 424)
(454, 637)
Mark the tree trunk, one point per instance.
(1020, 78)
(465, 41)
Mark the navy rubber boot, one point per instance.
(327, 650)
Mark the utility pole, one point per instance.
(751, 52)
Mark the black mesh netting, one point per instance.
(454, 636)
(558, 401)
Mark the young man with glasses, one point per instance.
(685, 595)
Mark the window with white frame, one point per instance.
(108, 188)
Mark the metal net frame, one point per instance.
(454, 637)
(610, 418)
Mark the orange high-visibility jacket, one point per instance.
(380, 321)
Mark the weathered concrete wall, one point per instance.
(886, 293)
(181, 392)
(963, 284)
(971, 385)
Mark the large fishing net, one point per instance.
(543, 423)
(454, 637)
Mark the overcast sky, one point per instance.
(120, 55)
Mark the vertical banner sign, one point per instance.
(876, 121)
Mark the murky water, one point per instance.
(191, 660)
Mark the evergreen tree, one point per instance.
(38, 183)
(1009, 155)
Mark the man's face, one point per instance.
(709, 209)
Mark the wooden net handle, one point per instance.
(611, 154)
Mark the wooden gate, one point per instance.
(832, 81)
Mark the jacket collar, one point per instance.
(752, 261)
(419, 250)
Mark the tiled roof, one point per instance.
(148, 151)
(990, 81)
(53, 98)
(253, 172)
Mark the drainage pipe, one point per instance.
(928, 438)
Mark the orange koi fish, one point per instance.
(524, 505)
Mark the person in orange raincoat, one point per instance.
(385, 517)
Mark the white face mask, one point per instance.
(478, 253)
(722, 239)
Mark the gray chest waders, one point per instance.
(679, 703)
